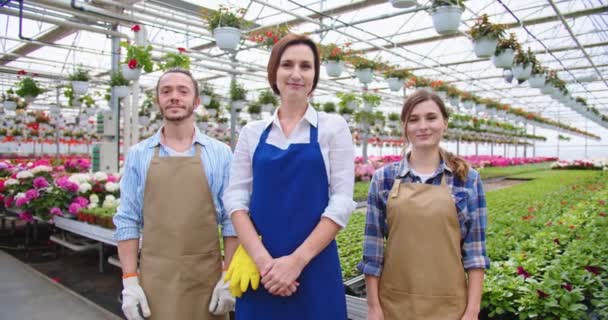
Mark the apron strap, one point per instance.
(265, 133)
(395, 189)
(198, 149)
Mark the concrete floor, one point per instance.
(27, 294)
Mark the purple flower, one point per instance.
(596, 270)
(82, 202)
(74, 208)
(567, 286)
(21, 202)
(522, 272)
(542, 294)
(40, 182)
(26, 216)
(32, 194)
(56, 211)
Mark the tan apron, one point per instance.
(180, 257)
(423, 276)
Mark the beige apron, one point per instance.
(423, 276)
(180, 256)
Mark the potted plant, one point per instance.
(446, 15)
(505, 52)
(226, 24)
(333, 57)
(28, 89)
(172, 60)
(486, 36)
(522, 69)
(213, 107)
(267, 100)
(136, 59)
(206, 93)
(238, 95)
(402, 4)
(346, 112)
(119, 84)
(364, 68)
(80, 81)
(255, 109)
(329, 107)
(393, 119)
(10, 100)
(537, 78)
(395, 78)
(550, 80)
(269, 37)
(348, 100)
(370, 100)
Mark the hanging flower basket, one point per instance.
(521, 72)
(537, 80)
(365, 75)
(484, 47)
(227, 38)
(205, 99)
(395, 84)
(130, 74)
(446, 19)
(121, 91)
(212, 112)
(10, 105)
(29, 99)
(144, 120)
(505, 59)
(402, 4)
(468, 105)
(80, 87)
(334, 68)
(268, 107)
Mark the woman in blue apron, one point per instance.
(290, 192)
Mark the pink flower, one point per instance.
(522, 272)
(74, 208)
(32, 194)
(82, 202)
(26, 216)
(112, 178)
(40, 182)
(135, 28)
(56, 211)
(21, 72)
(8, 201)
(21, 202)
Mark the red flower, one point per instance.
(275, 39)
(602, 202)
(594, 269)
(21, 72)
(181, 50)
(542, 294)
(132, 64)
(269, 34)
(567, 286)
(135, 28)
(522, 272)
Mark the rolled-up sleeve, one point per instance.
(237, 194)
(474, 254)
(226, 223)
(128, 216)
(375, 228)
(342, 175)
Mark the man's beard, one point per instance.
(189, 112)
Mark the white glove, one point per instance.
(133, 295)
(222, 301)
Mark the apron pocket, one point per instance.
(398, 304)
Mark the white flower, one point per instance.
(94, 198)
(20, 195)
(24, 174)
(79, 178)
(110, 197)
(84, 187)
(112, 186)
(100, 176)
(39, 169)
(10, 182)
(110, 202)
(93, 205)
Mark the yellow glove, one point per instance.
(241, 272)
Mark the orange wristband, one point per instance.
(129, 275)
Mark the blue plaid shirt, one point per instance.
(469, 199)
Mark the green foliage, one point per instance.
(393, 72)
(142, 55)
(443, 3)
(225, 17)
(117, 79)
(524, 58)
(173, 60)
(329, 107)
(254, 108)
(347, 98)
(206, 89)
(9, 95)
(394, 116)
(28, 87)
(80, 74)
(345, 110)
(268, 97)
(213, 104)
(484, 28)
(237, 91)
(507, 43)
(370, 99)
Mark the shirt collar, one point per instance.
(405, 169)
(311, 115)
(199, 138)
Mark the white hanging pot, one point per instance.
(91, 111)
(537, 80)
(442, 95)
(80, 87)
(239, 105)
(29, 99)
(227, 38)
(269, 107)
(334, 68)
(394, 84)
(446, 19)
(505, 59)
(205, 99)
(468, 104)
(10, 105)
(212, 112)
(484, 47)
(54, 110)
(351, 105)
(203, 125)
(520, 72)
(365, 75)
(121, 91)
(144, 120)
(402, 4)
(555, 94)
(130, 74)
(454, 101)
(547, 88)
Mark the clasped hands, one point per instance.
(277, 275)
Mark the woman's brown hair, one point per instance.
(457, 164)
(277, 51)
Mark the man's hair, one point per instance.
(182, 71)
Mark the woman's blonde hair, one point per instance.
(458, 165)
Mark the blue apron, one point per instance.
(290, 192)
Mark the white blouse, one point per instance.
(336, 147)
